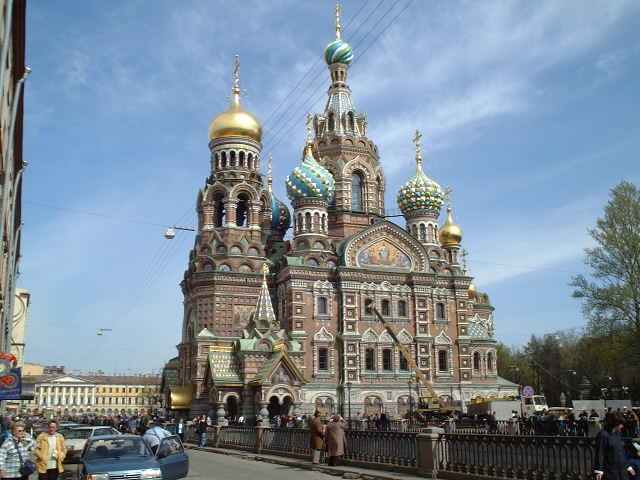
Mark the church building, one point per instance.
(276, 315)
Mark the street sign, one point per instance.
(527, 391)
(11, 384)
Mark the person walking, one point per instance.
(50, 452)
(317, 437)
(154, 435)
(610, 460)
(335, 440)
(201, 428)
(16, 448)
(181, 428)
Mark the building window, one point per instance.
(402, 308)
(440, 311)
(385, 308)
(356, 191)
(404, 365)
(323, 359)
(387, 364)
(476, 361)
(322, 306)
(368, 306)
(442, 361)
(490, 361)
(423, 234)
(370, 359)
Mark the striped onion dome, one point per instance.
(310, 179)
(338, 51)
(280, 216)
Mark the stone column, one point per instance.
(264, 413)
(254, 223)
(430, 454)
(230, 213)
(221, 421)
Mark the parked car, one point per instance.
(76, 438)
(129, 456)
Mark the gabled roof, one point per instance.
(223, 365)
(279, 357)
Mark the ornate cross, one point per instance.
(236, 75)
(447, 194)
(418, 141)
(338, 8)
(265, 271)
(309, 127)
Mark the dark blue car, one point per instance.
(129, 457)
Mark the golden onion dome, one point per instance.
(450, 233)
(235, 121)
(473, 293)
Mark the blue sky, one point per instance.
(529, 112)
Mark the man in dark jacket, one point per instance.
(610, 462)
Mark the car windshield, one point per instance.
(116, 448)
(79, 433)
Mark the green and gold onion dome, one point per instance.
(420, 193)
(280, 216)
(450, 233)
(338, 51)
(310, 180)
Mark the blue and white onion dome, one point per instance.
(280, 216)
(338, 51)
(420, 193)
(310, 180)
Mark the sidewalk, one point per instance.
(343, 471)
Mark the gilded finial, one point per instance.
(236, 76)
(418, 141)
(265, 271)
(338, 27)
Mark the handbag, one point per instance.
(27, 467)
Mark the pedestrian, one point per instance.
(335, 440)
(317, 437)
(610, 461)
(201, 428)
(181, 428)
(50, 452)
(154, 435)
(15, 453)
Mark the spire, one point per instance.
(338, 9)
(264, 317)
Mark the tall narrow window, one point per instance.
(332, 122)
(307, 221)
(423, 233)
(476, 361)
(490, 361)
(404, 365)
(323, 359)
(322, 306)
(387, 363)
(370, 359)
(385, 308)
(356, 191)
(368, 306)
(402, 308)
(219, 210)
(442, 361)
(440, 311)
(242, 210)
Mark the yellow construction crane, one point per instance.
(424, 401)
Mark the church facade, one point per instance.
(280, 324)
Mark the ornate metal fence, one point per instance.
(382, 447)
(242, 438)
(521, 457)
(288, 441)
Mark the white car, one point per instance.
(76, 438)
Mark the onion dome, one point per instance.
(473, 293)
(235, 121)
(450, 233)
(280, 216)
(310, 179)
(420, 193)
(338, 51)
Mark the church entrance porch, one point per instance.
(280, 407)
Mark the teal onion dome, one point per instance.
(280, 216)
(420, 193)
(338, 51)
(310, 179)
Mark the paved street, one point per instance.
(226, 467)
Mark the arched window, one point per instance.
(423, 233)
(443, 361)
(402, 308)
(224, 268)
(352, 124)
(490, 361)
(232, 161)
(242, 210)
(322, 306)
(219, 210)
(316, 222)
(324, 223)
(307, 222)
(385, 308)
(224, 159)
(332, 122)
(403, 363)
(440, 311)
(387, 363)
(370, 359)
(250, 160)
(312, 262)
(476, 361)
(356, 191)
(242, 159)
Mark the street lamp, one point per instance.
(170, 232)
(410, 381)
(348, 385)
